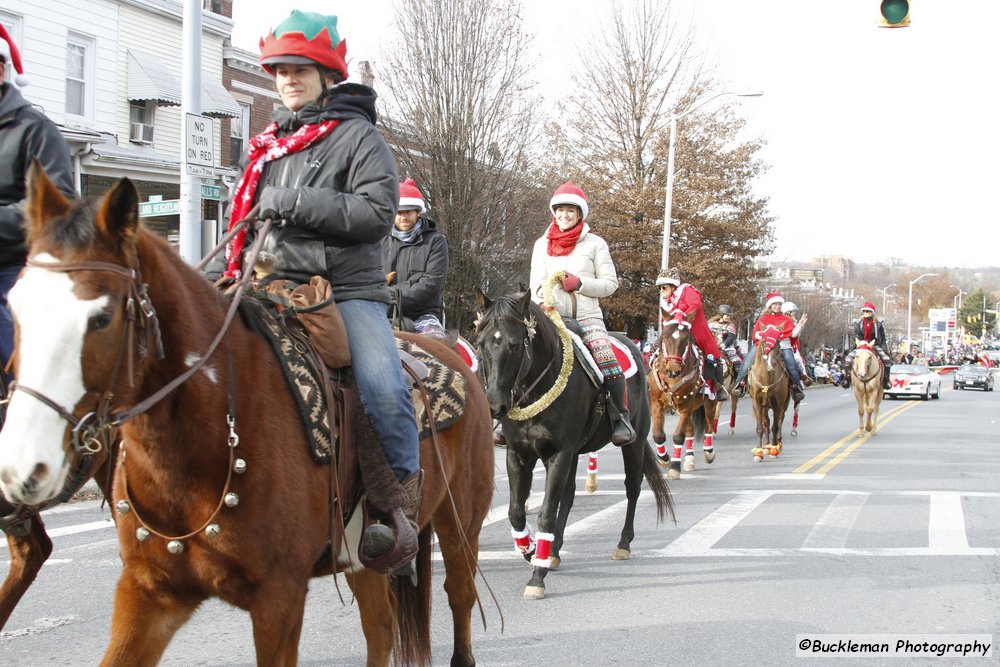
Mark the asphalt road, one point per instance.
(896, 534)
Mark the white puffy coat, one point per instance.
(590, 260)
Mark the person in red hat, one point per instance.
(323, 173)
(773, 317)
(415, 262)
(569, 246)
(25, 134)
(868, 329)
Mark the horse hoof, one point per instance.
(591, 484)
(688, 463)
(672, 474)
(555, 560)
(758, 459)
(774, 451)
(758, 455)
(795, 431)
(620, 554)
(732, 431)
(534, 592)
(710, 456)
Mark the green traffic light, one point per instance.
(894, 11)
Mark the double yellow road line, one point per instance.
(830, 456)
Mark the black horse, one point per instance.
(522, 353)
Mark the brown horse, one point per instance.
(866, 376)
(767, 382)
(732, 370)
(222, 497)
(676, 374)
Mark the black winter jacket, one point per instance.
(25, 133)
(421, 268)
(878, 332)
(337, 198)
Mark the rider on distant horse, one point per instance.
(725, 334)
(568, 245)
(682, 301)
(789, 308)
(774, 317)
(870, 329)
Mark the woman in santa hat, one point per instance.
(568, 245)
(786, 326)
(25, 134)
(869, 329)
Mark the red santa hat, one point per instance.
(773, 297)
(868, 305)
(410, 198)
(10, 54)
(567, 193)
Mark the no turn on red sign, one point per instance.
(199, 144)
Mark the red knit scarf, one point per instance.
(560, 242)
(265, 147)
(868, 328)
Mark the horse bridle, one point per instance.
(522, 371)
(680, 359)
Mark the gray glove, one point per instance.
(277, 203)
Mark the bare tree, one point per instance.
(462, 119)
(640, 68)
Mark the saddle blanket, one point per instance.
(445, 389)
(622, 353)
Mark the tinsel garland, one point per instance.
(520, 414)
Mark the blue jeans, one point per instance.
(787, 354)
(379, 375)
(8, 275)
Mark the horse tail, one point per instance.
(413, 609)
(698, 424)
(651, 471)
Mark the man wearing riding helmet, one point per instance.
(724, 329)
(870, 330)
(682, 301)
(323, 173)
(790, 309)
(569, 246)
(773, 317)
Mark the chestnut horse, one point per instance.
(528, 359)
(767, 383)
(676, 379)
(866, 376)
(222, 497)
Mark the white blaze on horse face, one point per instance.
(53, 323)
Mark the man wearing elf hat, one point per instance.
(323, 173)
(682, 301)
(868, 331)
(773, 317)
(25, 133)
(415, 262)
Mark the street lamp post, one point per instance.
(668, 204)
(909, 309)
(956, 303)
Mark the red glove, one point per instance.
(571, 283)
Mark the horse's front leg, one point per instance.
(30, 547)
(566, 499)
(147, 613)
(680, 431)
(632, 459)
(519, 473)
(378, 616)
(657, 408)
(276, 610)
(557, 469)
(712, 410)
(689, 445)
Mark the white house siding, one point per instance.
(46, 25)
(155, 28)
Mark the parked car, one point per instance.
(973, 377)
(913, 380)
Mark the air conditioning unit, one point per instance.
(141, 133)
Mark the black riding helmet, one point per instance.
(725, 310)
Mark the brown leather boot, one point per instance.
(386, 548)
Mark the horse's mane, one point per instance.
(506, 307)
(75, 229)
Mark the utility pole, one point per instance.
(190, 204)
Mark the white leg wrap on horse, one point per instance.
(592, 464)
(523, 542)
(708, 446)
(678, 452)
(661, 450)
(543, 550)
(689, 445)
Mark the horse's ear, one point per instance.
(482, 301)
(523, 302)
(119, 212)
(521, 287)
(45, 201)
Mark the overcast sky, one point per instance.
(881, 143)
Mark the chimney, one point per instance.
(366, 74)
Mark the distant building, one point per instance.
(843, 267)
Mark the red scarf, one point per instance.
(868, 329)
(560, 242)
(265, 147)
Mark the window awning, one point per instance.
(217, 102)
(149, 79)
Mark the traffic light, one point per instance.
(895, 13)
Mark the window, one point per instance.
(239, 134)
(79, 75)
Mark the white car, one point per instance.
(913, 380)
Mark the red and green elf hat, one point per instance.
(305, 38)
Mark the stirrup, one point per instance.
(623, 432)
(386, 549)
